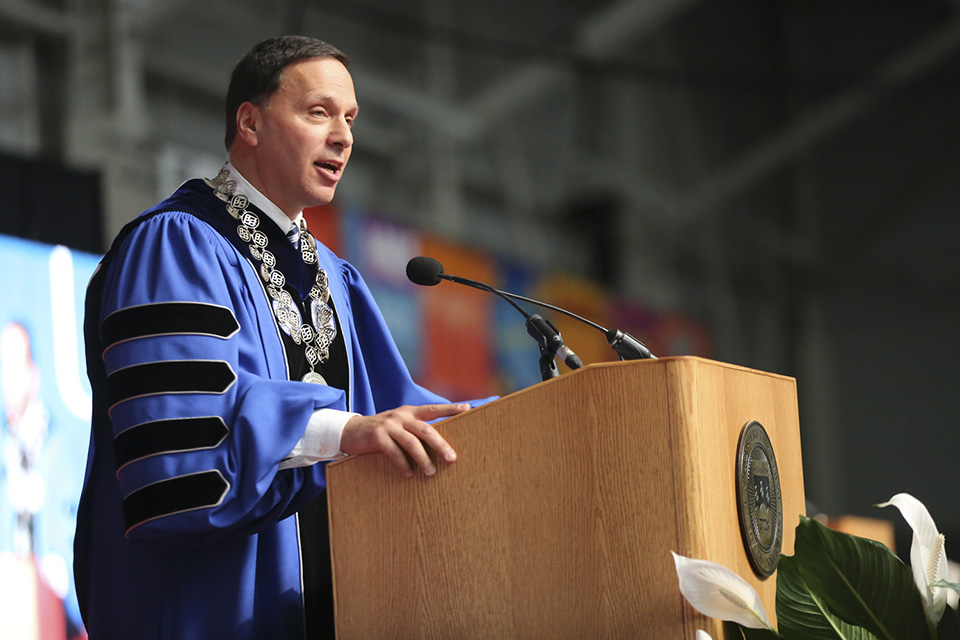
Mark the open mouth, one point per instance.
(332, 167)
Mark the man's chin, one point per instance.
(323, 198)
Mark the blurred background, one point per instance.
(769, 183)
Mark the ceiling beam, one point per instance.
(604, 34)
(625, 23)
(147, 16)
(35, 17)
(608, 32)
(815, 125)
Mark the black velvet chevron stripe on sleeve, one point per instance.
(175, 495)
(168, 436)
(166, 318)
(172, 376)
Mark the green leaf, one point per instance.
(860, 581)
(949, 627)
(801, 613)
(734, 631)
(758, 634)
(947, 585)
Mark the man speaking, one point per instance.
(231, 354)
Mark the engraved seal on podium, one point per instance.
(759, 499)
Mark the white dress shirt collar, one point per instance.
(262, 202)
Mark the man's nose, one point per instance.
(341, 134)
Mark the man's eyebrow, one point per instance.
(328, 99)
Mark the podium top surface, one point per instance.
(666, 362)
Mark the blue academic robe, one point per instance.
(187, 527)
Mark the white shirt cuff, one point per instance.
(320, 441)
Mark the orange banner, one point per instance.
(324, 223)
(588, 300)
(458, 342)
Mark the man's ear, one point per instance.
(248, 123)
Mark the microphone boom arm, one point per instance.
(626, 346)
(539, 328)
(428, 272)
(485, 287)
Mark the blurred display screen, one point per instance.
(44, 431)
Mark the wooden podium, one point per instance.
(558, 518)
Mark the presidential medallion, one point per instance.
(313, 378)
(759, 499)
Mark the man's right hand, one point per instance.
(401, 432)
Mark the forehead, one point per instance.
(317, 78)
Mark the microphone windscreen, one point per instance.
(424, 271)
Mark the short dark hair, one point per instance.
(257, 76)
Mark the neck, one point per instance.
(250, 188)
(246, 166)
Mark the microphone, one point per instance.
(424, 271)
(427, 271)
(538, 326)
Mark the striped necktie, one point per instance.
(293, 235)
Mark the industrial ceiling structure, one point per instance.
(780, 169)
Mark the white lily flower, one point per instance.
(703, 635)
(928, 557)
(715, 591)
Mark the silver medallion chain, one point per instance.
(318, 333)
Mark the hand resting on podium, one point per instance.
(400, 432)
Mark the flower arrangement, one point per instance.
(837, 587)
